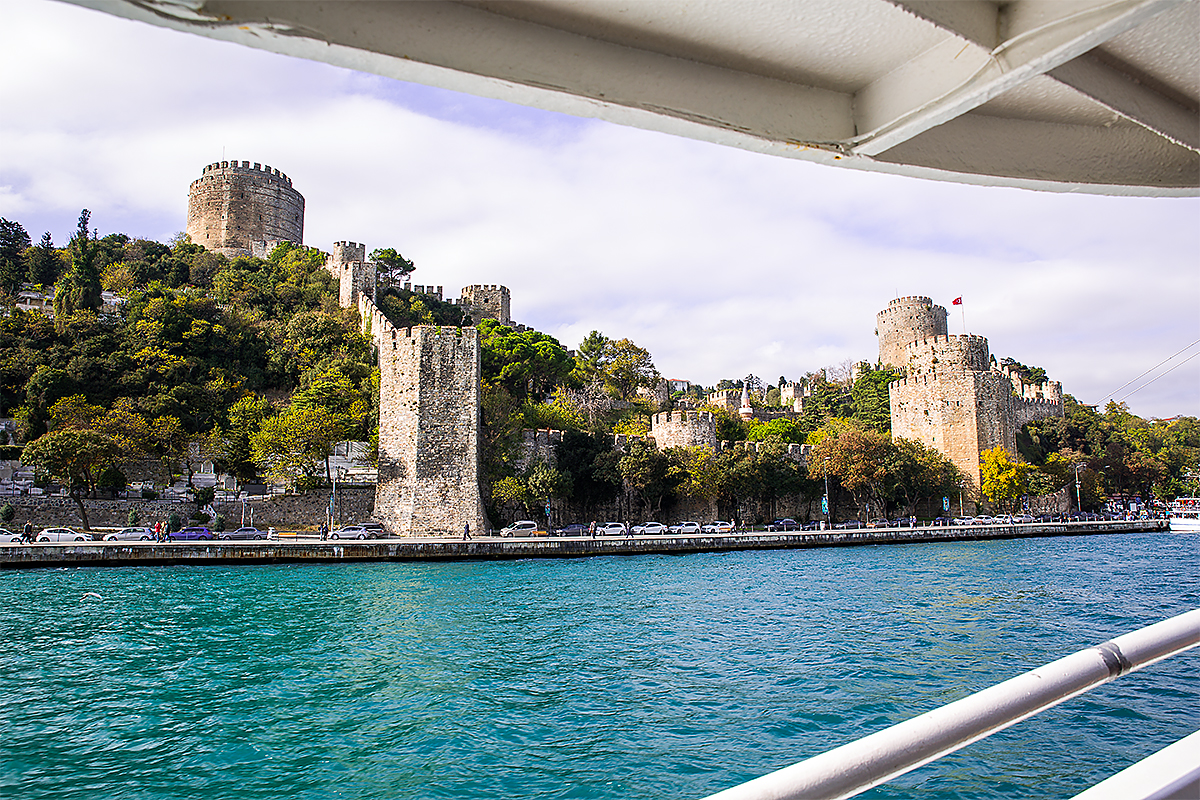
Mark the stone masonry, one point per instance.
(907, 319)
(239, 209)
(952, 400)
(429, 410)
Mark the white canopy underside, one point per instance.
(1098, 96)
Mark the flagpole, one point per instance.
(964, 317)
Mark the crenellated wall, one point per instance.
(355, 275)
(905, 320)
(946, 354)
(684, 429)
(239, 209)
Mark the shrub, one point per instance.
(219, 523)
(133, 517)
(7, 512)
(149, 494)
(199, 516)
(173, 522)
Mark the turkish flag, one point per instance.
(957, 301)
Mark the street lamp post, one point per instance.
(1078, 500)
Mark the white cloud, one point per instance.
(721, 262)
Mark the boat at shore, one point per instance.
(1185, 515)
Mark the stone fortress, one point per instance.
(238, 209)
(953, 397)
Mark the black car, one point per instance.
(942, 522)
(784, 524)
(811, 525)
(574, 529)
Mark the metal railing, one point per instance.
(875, 759)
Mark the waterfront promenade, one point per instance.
(312, 549)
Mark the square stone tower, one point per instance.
(429, 415)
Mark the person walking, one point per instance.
(592, 529)
(466, 531)
(27, 532)
(324, 531)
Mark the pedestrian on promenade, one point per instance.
(27, 532)
(592, 529)
(466, 531)
(324, 531)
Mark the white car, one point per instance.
(130, 534)
(718, 527)
(524, 527)
(685, 527)
(351, 532)
(62, 535)
(613, 529)
(9, 536)
(649, 529)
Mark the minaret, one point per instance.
(746, 411)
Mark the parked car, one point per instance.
(130, 534)
(62, 535)
(811, 525)
(193, 532)
(649, 529)
(964, 521)
(718, 527)
(612, 529)
(785, 524)
(879, 523)
(573, 529)
(1023, 519)
(848, 525)
(351, 532)
(983, 519)
(942, 522)
(1003, 519)
(524, 527)
(243, 533)
(685, 527)
(9, 536)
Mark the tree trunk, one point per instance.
(77, 496)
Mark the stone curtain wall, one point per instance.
(429, 410)
(355, 275)
(232, 206)
(905, 320)
(684, 429)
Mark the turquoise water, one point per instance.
(636, 677)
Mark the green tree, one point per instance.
(646, 472)
(869, 396)
(75, 458)
(79, 290)
(292, 446)
(859, 458)
(525, 363)
(391, 267)
(14, 240)
(42, 262)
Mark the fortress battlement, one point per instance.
(947, 353)
(666, 417)
(796, 452)
(906, 320)
(268, 171)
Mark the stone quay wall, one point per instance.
(285, 512)
(907, 319)
(232, 205)
(429, 412)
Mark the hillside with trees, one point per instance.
(159, 356)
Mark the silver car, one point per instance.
(649, 529)
(62, 535)
(9, 536)
(130, 534)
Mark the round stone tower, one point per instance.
(238, 209)
(907, 319)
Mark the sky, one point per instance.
(721, 262)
